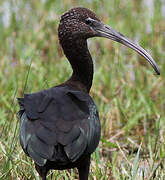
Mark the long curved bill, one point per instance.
(106, 31)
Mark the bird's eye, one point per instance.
(88, 21)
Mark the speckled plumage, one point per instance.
(73, 34)
(72, 25)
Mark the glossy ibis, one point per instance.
(60, 127)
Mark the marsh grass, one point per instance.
(129, 96)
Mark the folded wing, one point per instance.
(58, 124)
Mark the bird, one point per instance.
(60, 126)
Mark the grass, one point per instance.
(130, 97)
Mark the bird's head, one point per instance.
(81, 24)
(77, 24)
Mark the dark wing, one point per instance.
(58, 125)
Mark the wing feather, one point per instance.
(75, 149)
(58, 123)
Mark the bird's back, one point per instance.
(58, 125)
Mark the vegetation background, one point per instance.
(130, 97)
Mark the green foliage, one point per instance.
(130, 97)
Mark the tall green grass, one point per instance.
(130, 97)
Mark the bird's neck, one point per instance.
(81, 61)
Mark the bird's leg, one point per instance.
(44, 177)
(42, 171)
(83, 168)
